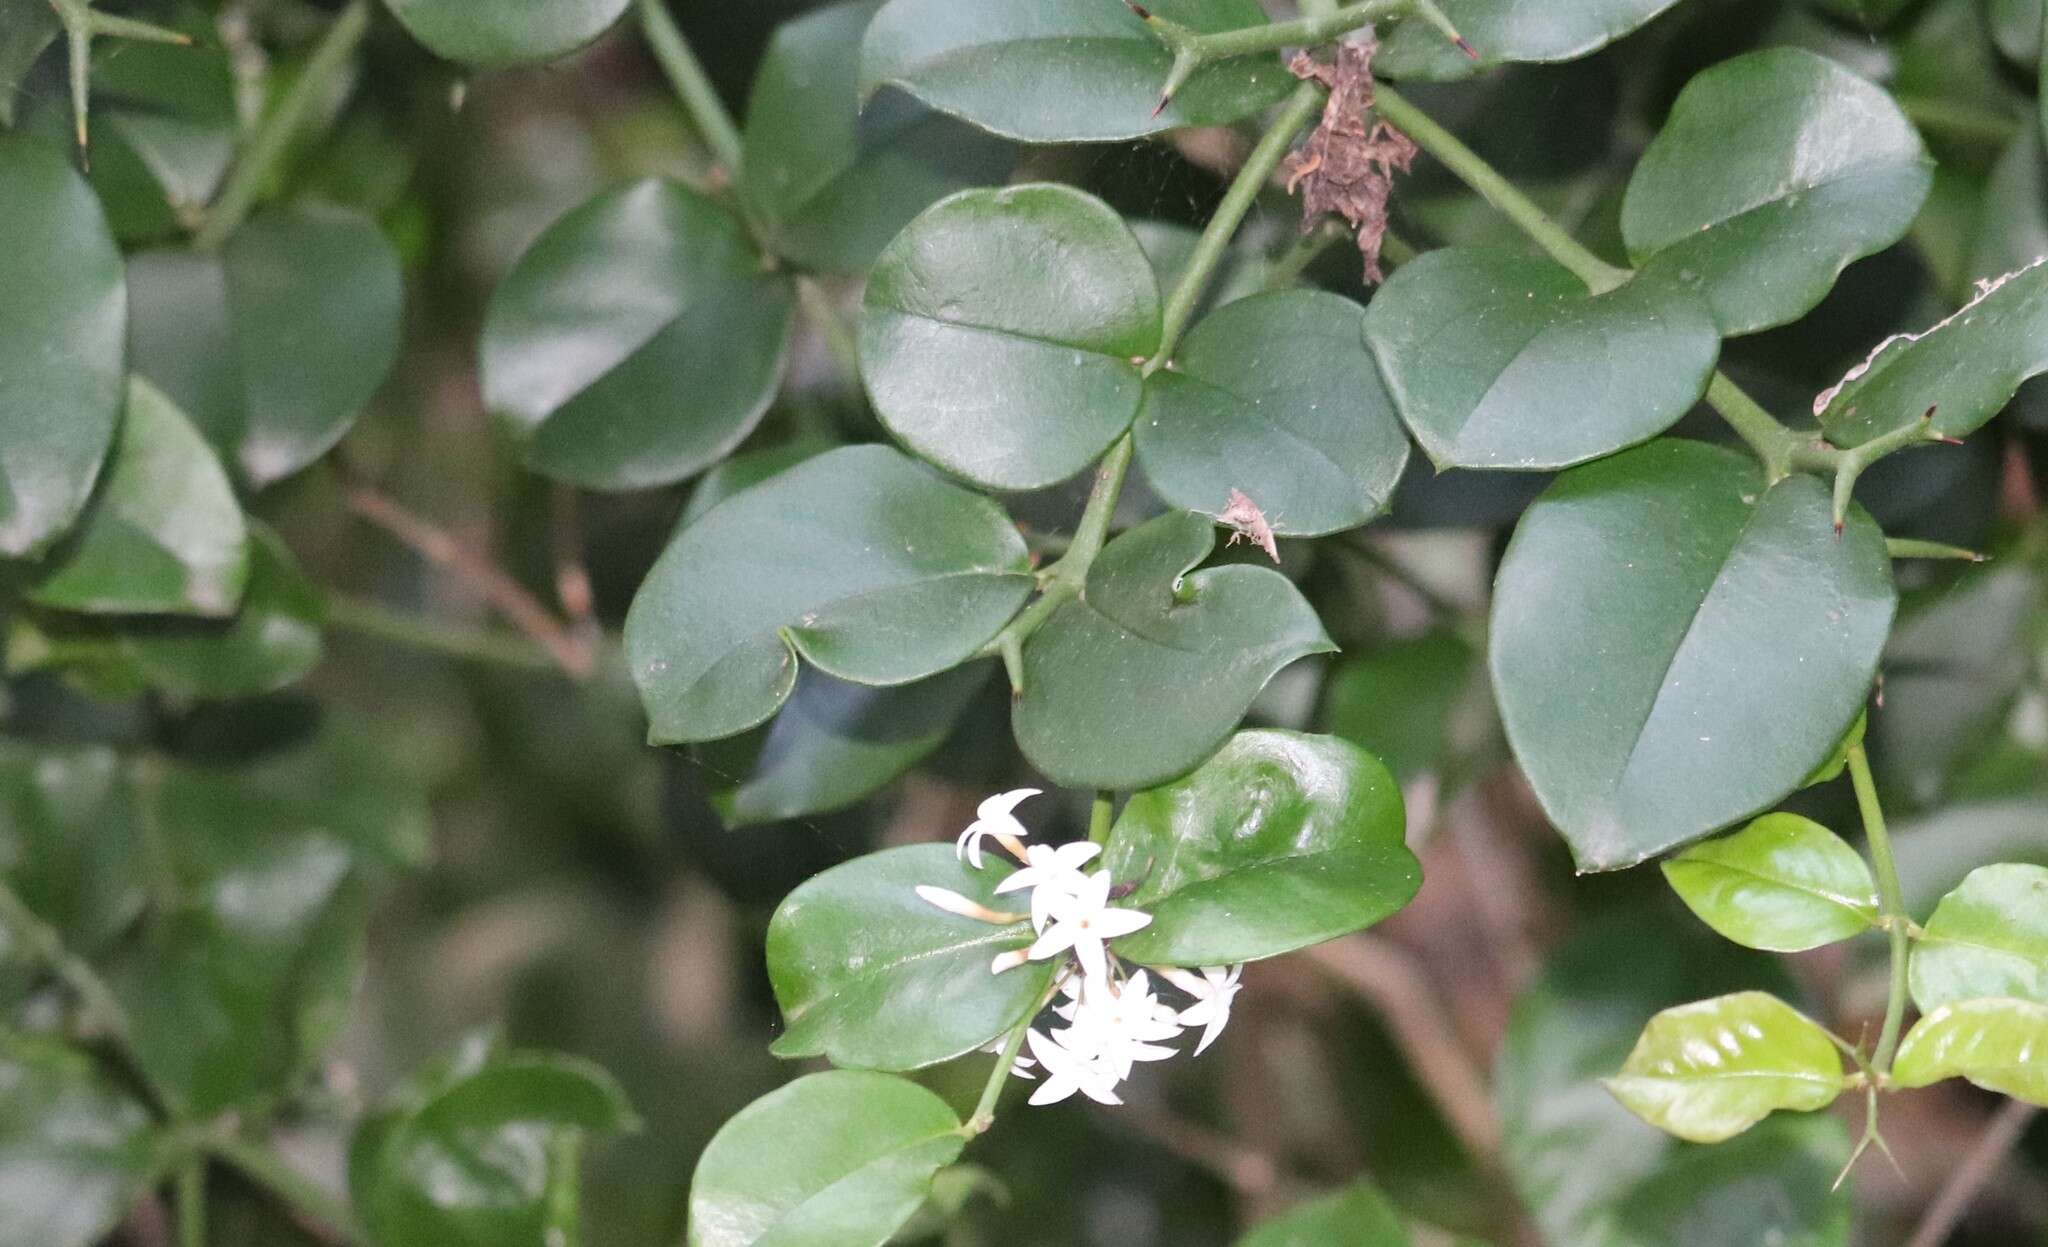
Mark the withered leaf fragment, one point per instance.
(1348, 165)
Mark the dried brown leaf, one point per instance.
(1347, 166)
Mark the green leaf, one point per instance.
(27, 27)
(1279, 841)
(72, 839)
(1357, 1216)
(832, 744)
(833, 181)
(76, 1151)
(474, 1163)
(276, 344)
(1964, 369)
(1783, 883)
(1655, 680)
(1994, 1043)
(1056, 71)
(240, 985)
(1838, 761)
(865, 563)
(746, 470)
(839, 1159)
(1003, 331)
(1499, 360)
(1275, 395)
(63, 308)
(1709, 1071)
(1776, 1184)
(163, 533)
(1989, 937)
(1151, 669)
(1509, 30)
(1774, 172)
(871, 975)
(493, 33)
(164, 126)
(1397, 701)
(587, 335)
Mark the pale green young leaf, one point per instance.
(1995, 1043)
(1989, 937)
(1709, 1071)
(1783, 883)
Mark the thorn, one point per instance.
(1144, 14)
(1465, 47)
(1839, 524)
(1164, 100)
(1946, 440)
(1928, 415)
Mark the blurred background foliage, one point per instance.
(529, 869)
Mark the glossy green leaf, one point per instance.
(1655, 680)
(1275, 395)
(839, 1159)
(1965, 368)
(1357, 1216)
(872, 976)
(164, 126)
(27, 27)
(492, 33)
(746, 470)
(163, 533)
(1398, 701)
(236, 988)
(1510, 30)
(1149, 672)
(1783, 883)
(1989, 937)
(832, 744)
(1994, 1043)
(1499, 360)
(1279, 841)
(2012, 221)
(76, 1151)
(638, 340)
(867, 564)
(474, 1164)
(1064, 70)
(275, 345)
(1709, 1071)
(72, 840)
(63, 309)
(833, 180)
(1774, 172)
(1003, 331)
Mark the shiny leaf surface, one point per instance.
(1783, 883)
(493, 33)
(1994, 1043)
(1989, 937)
(1709, 1071)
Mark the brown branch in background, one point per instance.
(572, 575)
(1967, 1179)
(439, 547)
(1251, 1174)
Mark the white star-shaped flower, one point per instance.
(1213, 992)
(1051, 871)
(993, 818)
(1120, 1026)
(1068, 1071)
(1085, 921)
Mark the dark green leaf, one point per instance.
(275, 345)
(1064, 70)
(63, 307)
(1709, 1071)
(833, 1160)
(1964, 369)
(1398, 700)
(1774, 172)
(1275, 395)
(2012, 224)
(27, 27)
(2016, 26)
(1357, 1216)
(505, 32)
(1150, 671)
(71, 839)
(1003, 331)
(75, 1150)
(164, 127)
(1994, 1043)
(835, 181)
(473, 1166)
(871, 975)
(1509, 30)
(163, 533)
(1654, 679)
(832, 744)
(1499, 360)
(746, 470)
(1280, 841)
(1783, 883)
(587, 337)
(865, 563)
(1989, 937)
(1777, 1184)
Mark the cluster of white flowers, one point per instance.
(1113, 1016)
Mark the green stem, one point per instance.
(985, 1109)
(101, 1013)
(269, 1171)
(686, 73)
(274, 134)
(1303, 32)
(1892, 907)
(1101, 816)
(191, 1199)
(563, 1211)
(1778, 448)
(1913, 548)
(382, 623)
(1237, 202)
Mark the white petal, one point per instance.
(1111, 923)
(1000, 805)
(1054, 1089)
(1055, 940)
(1088, 951)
